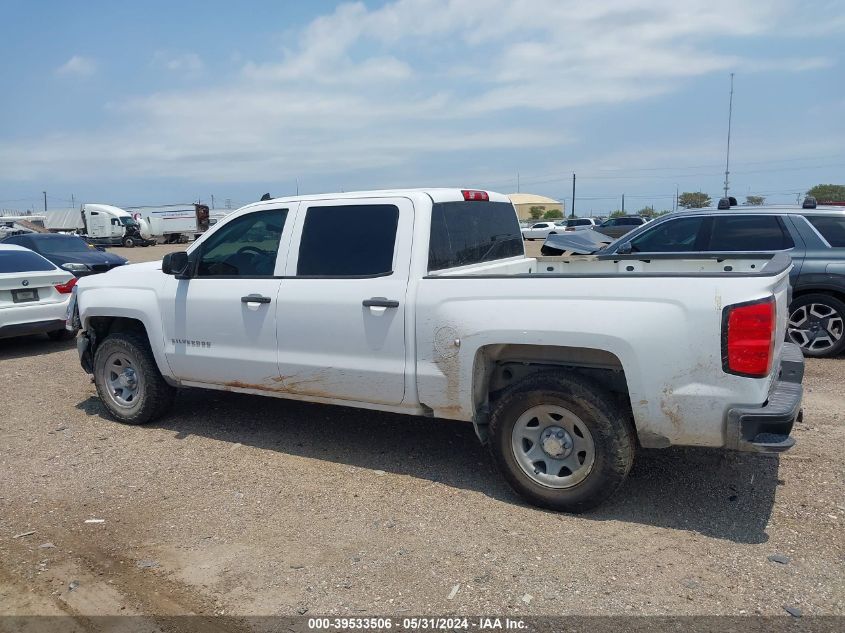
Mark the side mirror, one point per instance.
(624, 249)
(176, 264)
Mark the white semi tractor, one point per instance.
(106, 225)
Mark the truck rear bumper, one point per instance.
(766, 429)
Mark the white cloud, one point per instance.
(364, 88)
(185, 63)
(78, 65)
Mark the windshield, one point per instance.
(127, 221)
(54, 245)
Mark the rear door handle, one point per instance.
(380, 302)
(255, 299)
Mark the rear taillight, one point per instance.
(471, 194)
(748, 338)
(66, 288)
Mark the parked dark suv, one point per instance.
(813, 235)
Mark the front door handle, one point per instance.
(255, 299)
(380, 302)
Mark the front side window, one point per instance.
(246, 247)
(672, 236)
(355, 240)
(749, 233)
(832, 228)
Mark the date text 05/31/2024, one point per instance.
(419, 623)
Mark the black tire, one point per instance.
(61, 335)
(828, 327)
(129, 242)
(608, 423)
(154, 395)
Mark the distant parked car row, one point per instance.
(612, 227)
(38, 272)
(813, 235)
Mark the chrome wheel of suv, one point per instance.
(817, 326)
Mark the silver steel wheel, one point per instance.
(553, 446)
(121, 380)
(815, 326)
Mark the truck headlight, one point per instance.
(75, 267)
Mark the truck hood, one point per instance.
(130, 275)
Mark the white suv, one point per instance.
(34, 294)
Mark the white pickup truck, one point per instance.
(426, 304)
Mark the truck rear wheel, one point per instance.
(561, 441)
(128, 380)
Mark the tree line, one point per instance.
(699, 200)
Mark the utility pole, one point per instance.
(623, 204)
(517, 182)
(297, 185)
(728, 152)
(212, 201)
(72, 202)
(45, 201)
(572, 211)
(676, 198)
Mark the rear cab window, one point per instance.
(472, 232)
(831, 227)
(14, 261)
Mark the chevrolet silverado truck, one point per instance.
(427, 305)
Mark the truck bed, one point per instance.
(671, 265)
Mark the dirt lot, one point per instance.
(244, 505)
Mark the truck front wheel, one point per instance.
(128, 381)
(561, 441)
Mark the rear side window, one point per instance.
(348, 241)
(832, 228)
(23, 262)
(749, 233)
(472, 232)
(672, 236)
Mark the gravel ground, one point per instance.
(245, 505)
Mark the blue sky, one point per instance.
(156, 102)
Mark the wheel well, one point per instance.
(819, 291)
(499, 366)
(103, 326)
